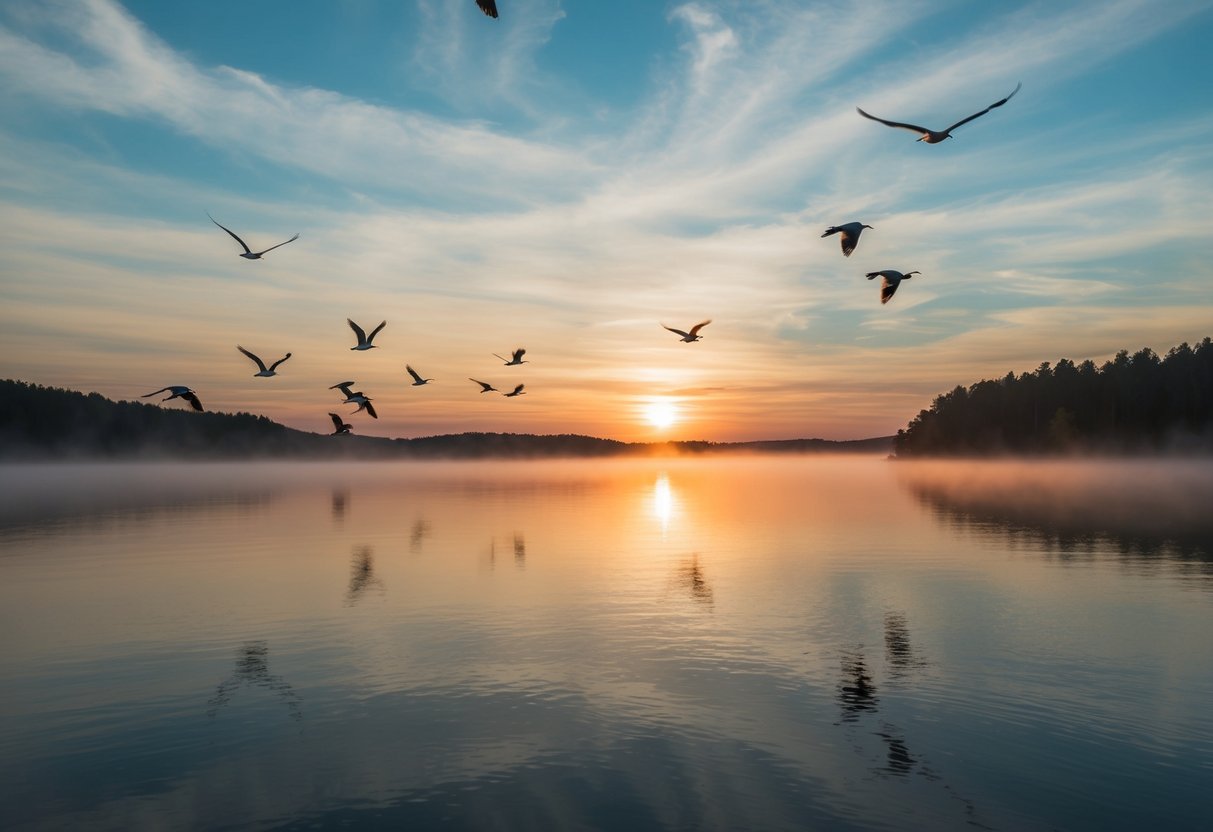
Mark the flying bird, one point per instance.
(178, 392)
(489, 7)
(364, 341)
(418, 381)
(937, 136)
(515, 357)
(848, 235)
(249, 254)
(517, 391)
(485, 386)
(364, 404)
(691, 336)
(892, 279)
(266, 373)
(340, 427)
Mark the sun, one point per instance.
(661, 414)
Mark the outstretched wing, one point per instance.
(357, 331)
(337, 423)
(518, 389)
(271, 248)
(274, 366)
(518, 353)
(370, 408)
(998, 103)
(489, 7)
(416, 376)
(243, 245)
(502, 357)
(887, 288)
(255, 359)
(158, 392)
(901, 124)
(833, 229)
(343, 386)
(695, 329)
(193, 400)
(375, 331)
(873, 275)
(676, 331)
(849, 242)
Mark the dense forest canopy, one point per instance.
(49, 423)
(1132, 404)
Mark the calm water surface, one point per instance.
(780, 643)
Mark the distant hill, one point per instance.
(1136, 403)
(50, 423)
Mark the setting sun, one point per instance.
(661, 414)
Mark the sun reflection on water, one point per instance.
(663, 502)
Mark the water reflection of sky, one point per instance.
(678, 644)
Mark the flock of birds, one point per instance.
(848, 235)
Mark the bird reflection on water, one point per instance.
(339, 501)
(690, 576)
(417, 534)
(253, 669)
(519, 550)
(362, 574)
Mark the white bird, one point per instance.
(266, 373)
(892, 279)
(937, 136)
(489, 7)
(693, 335)
(364, 341)
(485, 386)
(418, 381)
(178, 392)
(515, 357)
(848, 235)
(517, 391)
(249, 254)
(339, 426)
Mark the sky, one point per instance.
(574, 174)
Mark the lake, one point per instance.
(710, 643)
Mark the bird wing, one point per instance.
(243, 245)
(486, 387)
(257, 360)
(337, 423)
(849, 241)
(676, 331)
(370, 408)
(900, 124)
(873, 275)
(375, 331)
(271, 248)
(695, 329)
(193, 400)
(342, 385)
(518, 353)
(833, 229)
(357, 331)
(279, 361)
(502, 357)
(158, 392)
(518, 389)
(887, 288)
(413, 373)
(489, 7)
(998, 103)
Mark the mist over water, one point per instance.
(742, 643)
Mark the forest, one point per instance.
(1132, 404)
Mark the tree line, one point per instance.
(1132, 404)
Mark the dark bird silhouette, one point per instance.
(517, 391)
(249, 254)
(485, 387)
(691, 336)
(892, 279)
(937, 136)
(515, 358)
(848, 235)
(179, 392)
(344, 387)
(418, 381)
(340, 428)
(266, 373)
(489, 7)
(364, 403)
(364, 340)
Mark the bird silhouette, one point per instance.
(340, 427)
(848, 235)
(418, 381)
(489, 7)
(364, 340)
(266, 373)
(178, 392)
(249, 254)
(515, 357)
(937, 136)
(892, 279)
(485, 387)
(691, 336)
(517, 391)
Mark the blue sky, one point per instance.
(571, 174)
